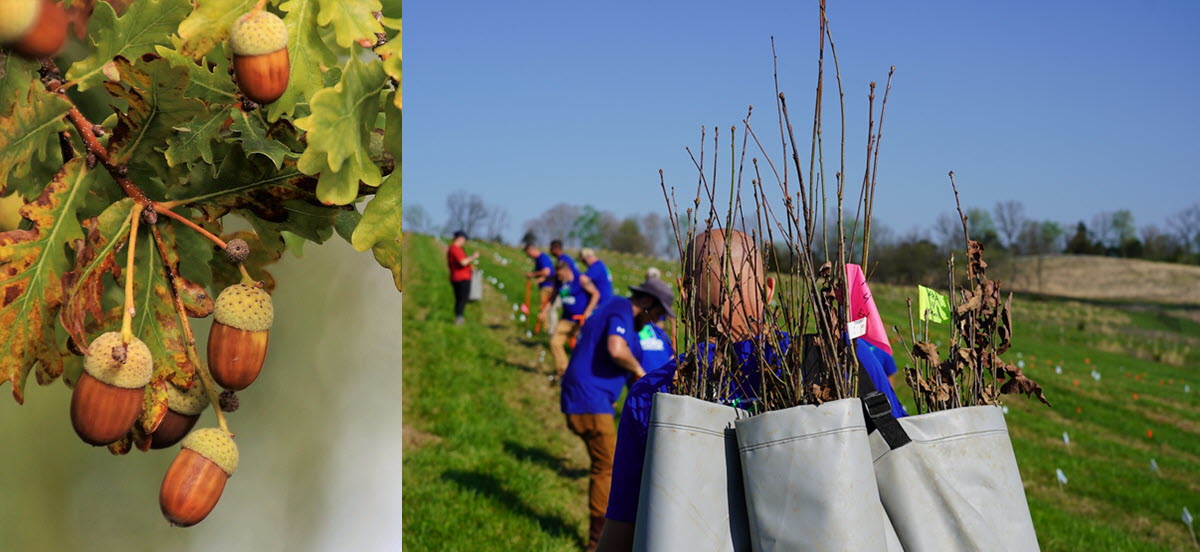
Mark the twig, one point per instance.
(184, 220)
(210, 386)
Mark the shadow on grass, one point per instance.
(487, 485)
(544, 458)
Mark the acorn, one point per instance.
(237, 344)
(108, 396)
(33, 28)
(197, 476)
(260, 57)
(183, 410)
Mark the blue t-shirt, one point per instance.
(571, 263)
(656, 347)
(634, 428)
(593, 381)
(574, 299)
(876, 362)
(602, 278)
(544, 261)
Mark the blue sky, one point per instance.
(1072, 108)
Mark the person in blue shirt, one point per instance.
(880, 366)
(542, 274)
(607, 355)
(579, 299)
(656, 347)
(556, 251)
(734, 322)
(598, 272)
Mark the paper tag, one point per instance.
(857, 328)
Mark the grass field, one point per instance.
(489, 464)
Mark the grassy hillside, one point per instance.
(489, 464)
(1107, 279)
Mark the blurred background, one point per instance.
(318, 434)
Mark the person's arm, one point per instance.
(593, 295)
(466, 261)
(617, 537)
(541, 273)
(618, 349)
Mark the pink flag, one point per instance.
(862, 305)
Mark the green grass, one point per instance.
(491, 465)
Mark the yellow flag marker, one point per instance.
(934, 306)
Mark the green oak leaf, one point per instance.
(391, 55)
(339, 133)
(308, 56)
(157, 106)
(31, 288)
(24, 135)
(208, 25)
(15, 74)
(213, 86)
(253, 136)
(380, 229)
(352, 20)
(144, 25)
(195, 138)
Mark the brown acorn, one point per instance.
(260, 57)
(197, 476)
(183, 409)
(108, 396)
(237, 343)
(33, 28)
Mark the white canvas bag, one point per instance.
(691, 493)
(809, 480)
(476, 292)
(956, 485)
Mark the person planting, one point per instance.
(723, 280)
(542, 274)
(579, 299)
(598, 272)
(607, 355)
(460, 273)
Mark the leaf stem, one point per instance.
(162, 209)
(210, 386)
(127, 317)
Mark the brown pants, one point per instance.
(599, 433)
(563, 332)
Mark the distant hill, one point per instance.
(1105, 278)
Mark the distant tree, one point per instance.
(555, 223)
(1010, 221)
(1185, 225)
(654, 232)
(912, 259)
(628, 237)
(586, 230)
(1161, 246)
(1081, 242)
(528, 237)
(465, 211)
(947, 232)
(496, 223)
(417, 219)
(1040, 238)
(982, 228)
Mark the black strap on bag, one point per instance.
(878, 412)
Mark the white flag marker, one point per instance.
(1062, 477)
(1020, 364)
(1095, 375)
(1066, 439)
(1004, 409)
(1058, 370)
(1153, 466)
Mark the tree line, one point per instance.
(918, 255)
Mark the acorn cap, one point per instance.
(215, 445)
(19, 16)
(244, 307)
(190, 402)
(257, 33)
(133, 373)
